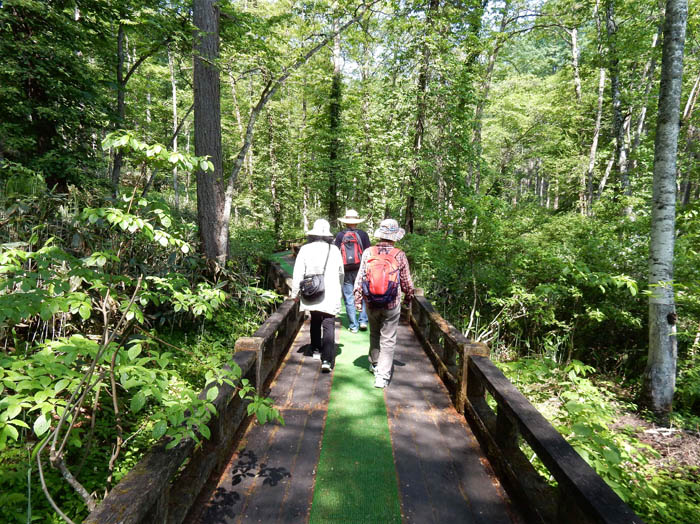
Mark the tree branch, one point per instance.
(143, 57)
(274, 84)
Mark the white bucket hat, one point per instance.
(389, 230)
(351, 217)
(321, 229)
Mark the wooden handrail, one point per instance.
(163, 486)
(580, 487)
(581, 496)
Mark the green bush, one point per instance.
(532, 282)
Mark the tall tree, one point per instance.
(334, 131)
(50, 97)
(214, 193)
(163, 26)
(212, 213)
(660, 373)
(419, 126)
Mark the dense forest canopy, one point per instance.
(519, 142)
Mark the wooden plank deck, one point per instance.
(442, 473)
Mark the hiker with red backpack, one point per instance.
(352, 242)
(383, 274)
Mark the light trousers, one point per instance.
(383, 324)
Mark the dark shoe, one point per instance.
(363, 327)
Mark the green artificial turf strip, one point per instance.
(279, 257)
(356, 478)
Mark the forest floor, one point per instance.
(677, 447)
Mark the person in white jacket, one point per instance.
(310, 261)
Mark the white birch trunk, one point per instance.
(660, 373)
(588, 200)
(574, 62)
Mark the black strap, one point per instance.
(327, 255)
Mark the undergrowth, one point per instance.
(584, 411)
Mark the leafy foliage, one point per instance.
(81, 299)
(584, 412)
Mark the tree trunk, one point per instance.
(660, 373)
(691, 137)
(274, 192)
(214, 196)
(617, 120)
(302, 175)
(334, 132)
(573, 33)
(173, 87)
(121, 109)
(587, 202)
(419, 128)
(212, 213)
(648, 75)
(475, 170)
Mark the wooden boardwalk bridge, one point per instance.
(451, 457)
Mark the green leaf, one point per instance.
(60, 385)
(11, 432)
(612, 456)
(41, 396)
(205, 431)
(41, 425)
(138, 401)
(582, 430)
(159, 429)
(262, 414)
(19, 423)
(174, 442)
(85, 310)
(13, 410)
(134, 352)
(212, 393)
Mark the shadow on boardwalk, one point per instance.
(442, 473)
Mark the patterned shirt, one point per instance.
(404, 275)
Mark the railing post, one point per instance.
(469, 349)
(506, 430)
(256, 344)
(569, 510)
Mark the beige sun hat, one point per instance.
(321, 229)
(351, 217)
(389, 230)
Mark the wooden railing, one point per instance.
(581, 496)
(165, 483)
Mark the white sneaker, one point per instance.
(317, 355)
(380, 382)
(326, 367)
(372, 368)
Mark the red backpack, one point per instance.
(351, 249)
(381, 283)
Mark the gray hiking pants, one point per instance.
(383, 324)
